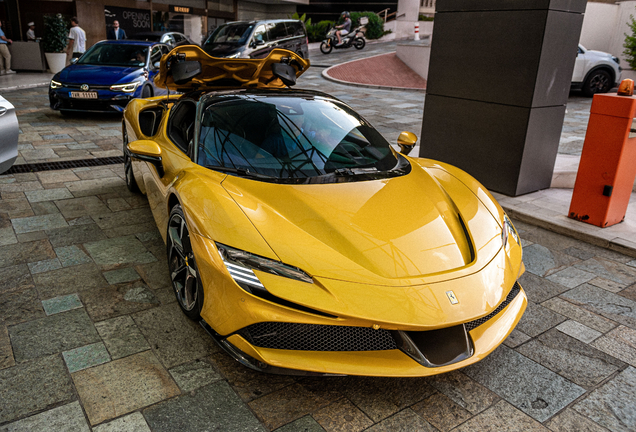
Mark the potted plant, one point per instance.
(54, 41)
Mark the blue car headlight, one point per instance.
(240, 264)
(126, 88)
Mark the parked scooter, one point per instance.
(353, 38)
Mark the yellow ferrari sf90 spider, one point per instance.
(302, 241)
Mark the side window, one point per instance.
(295, 28)
(181, 124)
(164, 50)
(155, 55)
(169, 39)
(260, 34)
(277, 32)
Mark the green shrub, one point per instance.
(630, 43)
(375, 27)
(303, 18)
(55, 33)
(425, 18)
(318, 32)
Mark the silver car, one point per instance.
(8, 135)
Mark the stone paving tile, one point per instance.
(538, 319)
(66, 418)
(541, 261)
(571, 277)
(215, 404)
(608, 285)
(569, 420)
(629, 292)
(611, 270)
(61, 304)
(248, 384)
(286, 405)
(539, 289)
(86, 357)
(37, 196)
(571, 358)
(44, 208)
(33, 386)
(303, 424)
(131, 218)
(173, 337)
(20, 306)
(464, 391)
(76, 234)
(69, 280)
(84, 206)
(532, 388)
(120, 276)
(123, 386)
(441, 412)
(52, 334)
(6, 353)
(502, 417)
(609, 305)
(342, 416)
(612, 405)
(121, 337)
(134, 422)
(15, 278)
(516, 338)
(37, 223)
(404, 421)
(580, 315)
(379, 398)
(620, 343)
(33, 251)
(116, 300)
(30, 237)
(118, 251)
(7, 236)
(191, 376)
(95, 186)
(71, 256)
(578, 331)
(156, 274)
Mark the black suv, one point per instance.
(256, 39)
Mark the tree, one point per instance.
(630, 43)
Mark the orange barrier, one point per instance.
(608, 163)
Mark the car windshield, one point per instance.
(235, 34)
(287, 138)
(116, 55)
(147, 37)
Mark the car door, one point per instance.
(156, 52)
(174, 159)
(580, 66)
(260, 42)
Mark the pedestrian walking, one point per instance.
(4, 53)
(77, 40)
(116, 33)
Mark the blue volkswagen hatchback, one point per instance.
(107, 76)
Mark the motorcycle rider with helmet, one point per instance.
(344, 28)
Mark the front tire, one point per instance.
(359, 43)
(146, 92)
(598, 81)
(325, 48)
(182, 266)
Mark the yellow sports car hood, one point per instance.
(399, 231)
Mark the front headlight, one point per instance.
(127, 88)
(240, 264)
(55, 84)
(616, 59)
(234, 55)
(508, 231)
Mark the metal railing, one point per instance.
(385, 15)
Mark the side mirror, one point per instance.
(184, 71)
(147, 151)
(257, 42)
(156, 65)
(74, 60)
(406, 141)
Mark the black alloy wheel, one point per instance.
(182, 265)
(325, 48)
(359, 43)
(131, 184)
(146, 92)
(599, 81)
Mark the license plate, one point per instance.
(84, 95)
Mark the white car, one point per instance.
(9, 135)
(595, 72)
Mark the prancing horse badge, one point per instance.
(451, 297)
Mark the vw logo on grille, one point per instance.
(84, 87)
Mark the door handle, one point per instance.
(3, 110)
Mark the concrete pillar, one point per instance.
(408, 10)
(498, 81)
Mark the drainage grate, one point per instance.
(511, 295)
(52, 166)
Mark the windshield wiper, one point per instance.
(240, 171)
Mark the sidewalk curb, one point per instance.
(371, 86)
(24, 86)
(567, 229)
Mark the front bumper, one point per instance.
(107, 101)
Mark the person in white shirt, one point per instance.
(76, 40)
(30, 34)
